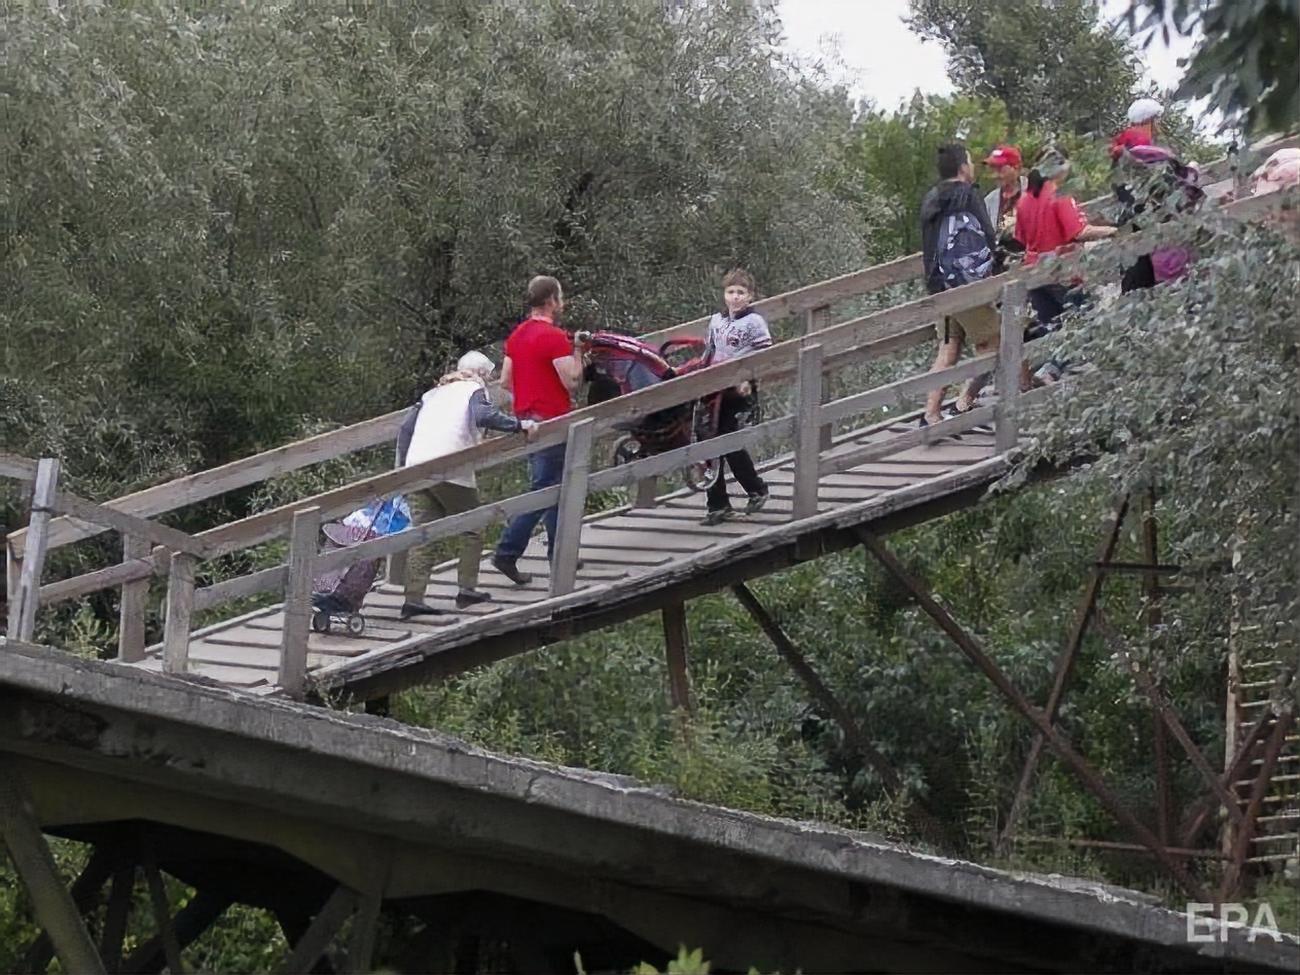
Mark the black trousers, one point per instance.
(741, 464)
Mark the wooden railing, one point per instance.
(150, 548)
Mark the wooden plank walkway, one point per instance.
(626, 554)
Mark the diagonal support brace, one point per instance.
(1055, 740)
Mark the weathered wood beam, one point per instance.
(292, 676)
(111, 518)
(807, 449)
(131, 610)
(55, 909)
(1011, 353)
(33, 556)
(180, 608)
(676, 646)
(1058, 742)
(572, 505)
(17, 468)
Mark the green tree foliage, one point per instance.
(1050, 62)
(222, 224)
(1246, 60)
(1193, 388)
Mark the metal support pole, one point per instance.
(1058, 742)
(854, 736)
(1246, 832)
(1065, 664)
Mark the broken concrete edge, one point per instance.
(389, 746)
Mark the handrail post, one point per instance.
(130, 629)
(1011, 354)
(573, 500)
(13, 585)
(33, 561)
(646, 489)
(297, 601)
(807, 448)
(180, 607)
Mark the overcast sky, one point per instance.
(868, 47)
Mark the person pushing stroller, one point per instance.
(450, 417)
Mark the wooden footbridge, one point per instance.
(847, 464)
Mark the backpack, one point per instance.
(963, 254)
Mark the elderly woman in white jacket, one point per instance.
(450, 417)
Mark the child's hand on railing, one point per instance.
(529, 429)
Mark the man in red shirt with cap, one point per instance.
(1001, 201)
(543, 369)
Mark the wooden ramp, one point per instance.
(634, 561)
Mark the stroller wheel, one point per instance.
(356, 624)
(320, 621)
(702, 476)
(627, 449)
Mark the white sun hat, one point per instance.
(1144, 110)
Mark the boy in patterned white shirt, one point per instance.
(735, 331)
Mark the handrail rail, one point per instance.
(888, 329)
(242, 472)
(17, 468)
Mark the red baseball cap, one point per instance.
(1004, 156)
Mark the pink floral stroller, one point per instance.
(337, 596)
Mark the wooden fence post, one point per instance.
(297, 601)
(645, 492)
(807, 448)
(29, 576)
(13, 586)
(180, 607)
(815, 319)
(130, 630)
(573, 499)
(1011, 353)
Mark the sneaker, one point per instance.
(510, 569)
(471, 597)
(440, 617)
(756, 502)
(718, 515)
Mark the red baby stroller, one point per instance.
(620, 364)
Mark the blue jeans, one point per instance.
(545, 468)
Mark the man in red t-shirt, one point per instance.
(543, 369)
